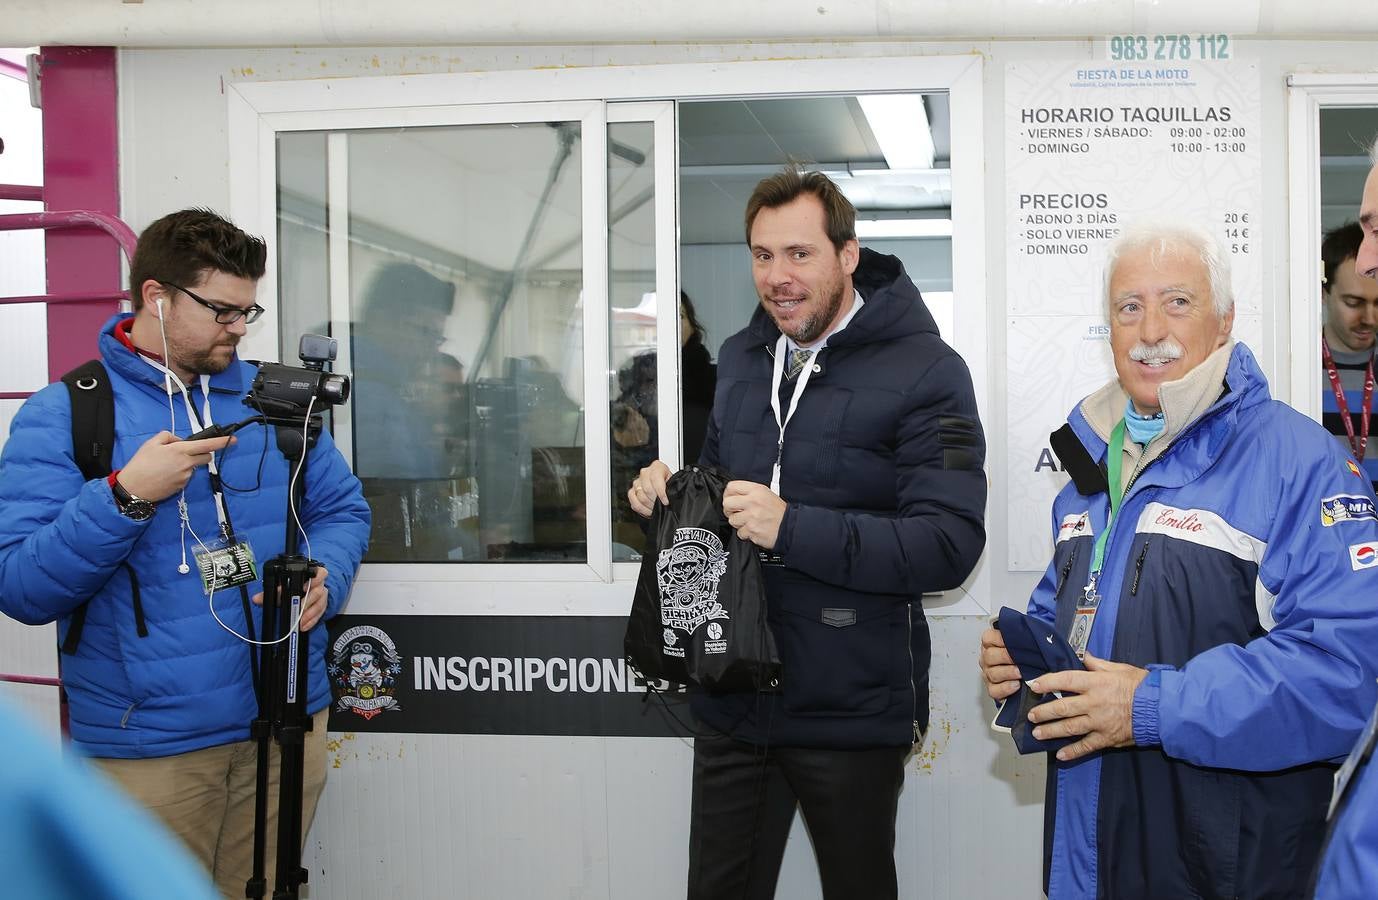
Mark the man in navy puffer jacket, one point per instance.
(853, 431)
(161, 693)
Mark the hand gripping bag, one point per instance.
(699, 614)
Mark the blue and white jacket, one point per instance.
(1242, 569)
(186, 683)
(1349, 863)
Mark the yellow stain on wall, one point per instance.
(334, 745)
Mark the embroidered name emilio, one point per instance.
(1173, 518)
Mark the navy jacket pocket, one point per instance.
(838, 661)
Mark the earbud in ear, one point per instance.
(159, 303)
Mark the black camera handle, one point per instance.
(216, 431)
(282, 715)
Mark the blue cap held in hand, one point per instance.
(1037, 649)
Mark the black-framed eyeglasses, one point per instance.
(224, 315)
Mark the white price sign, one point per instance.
(1090, 148)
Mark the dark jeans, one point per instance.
(743, 804)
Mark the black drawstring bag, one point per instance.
(699, 615)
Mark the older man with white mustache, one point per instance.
(1191, 549)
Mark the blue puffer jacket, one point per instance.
(882, 474)
(186, 684)
(1243, 568)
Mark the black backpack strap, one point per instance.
(1086, 473)
(93, 418)
(78, 622)
(139, 624)
(93, 444)
(74, 627)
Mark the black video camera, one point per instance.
(287, 392)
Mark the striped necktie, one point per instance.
(797, 360)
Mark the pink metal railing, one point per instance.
(72, 219)
(122, 233)
(30, 679)
(21, 192)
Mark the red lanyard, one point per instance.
(1361, 443)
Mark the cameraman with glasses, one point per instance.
(156, 619)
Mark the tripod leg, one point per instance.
(261, 730)
(292, 726)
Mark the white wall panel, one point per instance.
(23, 346)
(7, 410)
(23, 327)
(24, 650)
(30, 650)
(498, 817)
(21, 252)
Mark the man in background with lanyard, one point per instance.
(1349, 310)
(853, 432)
(151, 573)
(1220, 549)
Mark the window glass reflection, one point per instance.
(466, 339)
(632, 323)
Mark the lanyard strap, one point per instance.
(776, 377)
(1085, 616)
(1360, 444)
(197, 423)
(1114, 464)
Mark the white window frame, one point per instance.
(257, 111)
(1307, 94)
(661, 116)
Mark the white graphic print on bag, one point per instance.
(689, 573)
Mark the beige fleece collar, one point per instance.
(1183, 401)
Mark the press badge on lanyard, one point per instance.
(225, 564)
(776, 377)
(1090, 600)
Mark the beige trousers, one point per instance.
(206, 797)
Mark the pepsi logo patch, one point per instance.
(1363, 556)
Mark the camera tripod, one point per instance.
(284, 665)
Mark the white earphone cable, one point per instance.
(182, 510)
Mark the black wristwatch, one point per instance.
(136, 508)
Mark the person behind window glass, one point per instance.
(880, 497)
(410, 413)
(397, 363)
(698, 377)
(1349, 312)
(635, 415)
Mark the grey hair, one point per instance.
(1373, 151)
(1162, 238)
